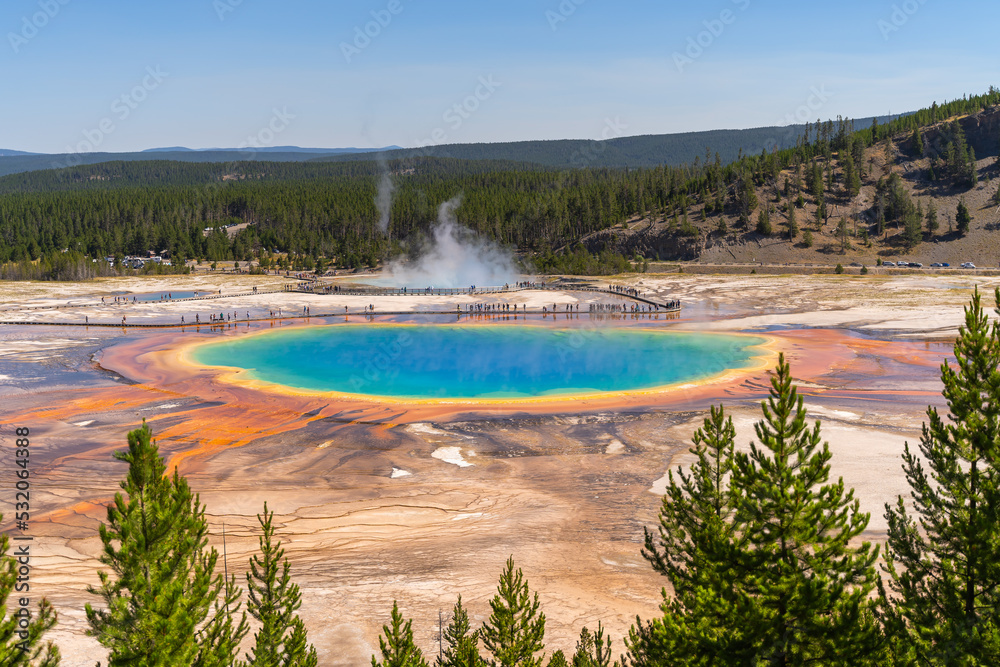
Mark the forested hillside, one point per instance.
(331, 214)
(315, 213)
(923, 188)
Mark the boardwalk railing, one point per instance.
(331, 288)
(201, 297)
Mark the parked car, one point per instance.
(968, 265)
(916, 265)
(936, 265)
(892, 264)
(945, 265)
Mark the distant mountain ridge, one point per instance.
(271, 149)
(620, 152)
(16, 164)
(649, 150)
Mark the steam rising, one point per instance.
(454, 257)
(383, 199)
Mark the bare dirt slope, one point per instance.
(660, 236)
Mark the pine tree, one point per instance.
(817, 182)
(843, 233)
(698, 549)
(396, 644)
(22, 646)
(852, 181)
(558, 659)
(514, 632)
(912, 225)
(461, 643)
(697, 508)
(760, 561)
(962, 218)
(746, 199)
(932, 220)
(593, 650)
(943, 552)
(809, 588)
(273, 601)
(298, 650)
(221, 637)
(763, 222)
(162, 604)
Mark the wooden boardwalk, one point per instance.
(326, 289)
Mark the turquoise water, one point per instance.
(438, 361)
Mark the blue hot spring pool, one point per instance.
(478, 362)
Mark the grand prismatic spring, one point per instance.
(478, 362)
(407, 454)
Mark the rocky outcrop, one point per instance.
(654, 242)
(982, 133)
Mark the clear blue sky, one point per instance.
(564, 69)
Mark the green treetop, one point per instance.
(593, 649)
(164, 606)
(461, 643)
(273, 600)
(962, 218)
(943, 553)
(396, 644)
(558, 659)
(758, 547)
(932, 220)
(809, 587)
(698, 549)
(515, 630)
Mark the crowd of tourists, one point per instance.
(493, 308)
(482, 308)
(621, 289)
